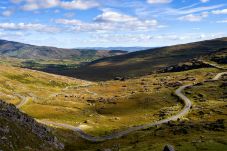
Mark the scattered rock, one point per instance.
(3, 138)
(119, 78)
(10, 112)
(168, 148)
(174, 84)
(116, 118)
(91, 101)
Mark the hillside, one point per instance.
(146, 62)
(219, 57)
(20, 132)
(25, 51)
(129, 49)
(97, 108)
(103, 108)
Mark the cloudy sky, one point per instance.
(92, 23)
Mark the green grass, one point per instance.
(117, 105)
(187, 135)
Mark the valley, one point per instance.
(126, 113)
(113, 75)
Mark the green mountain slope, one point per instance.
(148, 61)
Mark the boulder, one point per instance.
(168, 148)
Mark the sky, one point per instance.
(112, 23)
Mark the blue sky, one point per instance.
(93, 23)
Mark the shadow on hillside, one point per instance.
(139, 63)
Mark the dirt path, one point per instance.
(119, 134)
(115, 135)
(218, 76)
(24, 100)
(213, 65)
(90, 92)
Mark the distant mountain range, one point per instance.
(109, 64)
(26, 51)
(130, 49)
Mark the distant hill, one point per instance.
(130, 49)
(145, 62)
(26, 51)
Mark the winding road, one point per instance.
(218, 76)
(119, 134)
(115, 135)
(24, 100)
(213, 65)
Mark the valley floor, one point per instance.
(100, 108)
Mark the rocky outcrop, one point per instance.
(193, 64)
(220, 60)
(10, 112)
(168, 148)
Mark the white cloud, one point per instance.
(110, 27)
(110, 16)
(222, 21)
(16, 1)
(31, 5)
(204, 1)
(158, 1)
(78, 25)
(123, 20)
(7, 13)
(110, 21)
(38, 4)
(68, 22)
(199, 9)
(147, 39)
(186, 11)
(29, 26)
(194, 18)
(217, 12)
(79, 4)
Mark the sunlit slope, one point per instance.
(182, 134)
(204, 128)
(104, 107)
(95, 107)
(148, 61)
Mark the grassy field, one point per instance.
(203, 129)
(100, 108)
